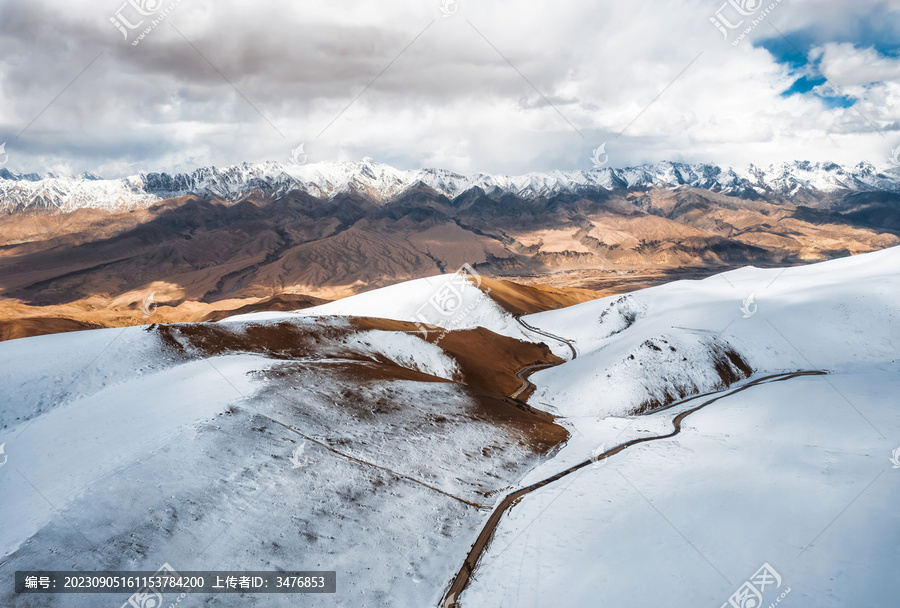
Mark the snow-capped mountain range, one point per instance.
(383, 183)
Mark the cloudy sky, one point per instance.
(504, 87)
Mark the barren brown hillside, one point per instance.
(193, 259)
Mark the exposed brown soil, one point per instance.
(614, 282)
(207, 256)
(527, 388)
(40, 326)
(283, 340)
(285, 302)
(537, 429)
(529, 299)
(488, 361)
(362, 372)
(20, 320)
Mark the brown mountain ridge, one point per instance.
(204, 258)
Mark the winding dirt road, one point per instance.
(523, 373)
(526, 383)
(462, 578)
(569, 343)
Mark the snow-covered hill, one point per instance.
(666, 342)
(202, 444)
(450, 301)
(794, 475)
(763, 476)
(131, 447)
(434, 304)
(644, 349)
(383, 183)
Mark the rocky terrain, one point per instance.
(89, 252)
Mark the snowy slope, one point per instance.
(667, 340)
(129, 448)
(383, 183)
(118, 355)
(236, 460)
(442, 302)
(449, 301)
(786, 474)
(796, 474)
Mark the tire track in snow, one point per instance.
(369, 464)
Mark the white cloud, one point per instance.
(450, 100)
(846, 64)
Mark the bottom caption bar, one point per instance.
(167, 580)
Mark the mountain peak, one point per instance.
(383, 183)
